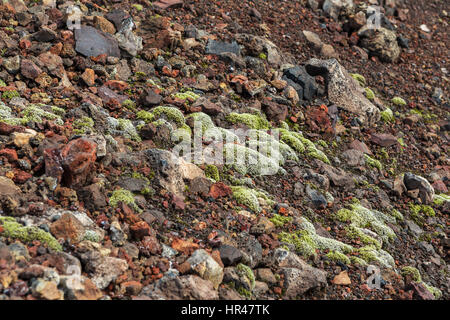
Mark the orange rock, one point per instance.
(342, 279)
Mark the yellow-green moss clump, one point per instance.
(14, 230)
(252, 121)
(440, 199)
(361, 80)
(249, 197)
(186, 95)
(32, 113)
(369, 93)
(417, 212)
(2, 83)
(361, 217)
(370, 254)
(279, 220)
(125, 196)
(9, 94)
(416, 277)
(373, 163)
(398, 101)
(171, 114)
(307, 241)
(129, 104)
(338, 257)
(247, 272)
(204, 119)
(212, 172)
(83, 125)
(387, 115)
(302, 145)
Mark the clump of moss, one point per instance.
(422, 208)
(373, 255)
(387, 115)
(434, 291)
(14, 230)
(262, 56)
(279, 220)
(128, 129)
(361, 217)
(440, 199)
(36, 113)
(354, 232)
(361, 80)
(293, 140)
(249, 197)
(373, 163)
(172, 114)
(2, 83)
(9, 94)
(401, 142)
(204, 119)
(252, 121)
(125, 196)
(313, 152)
(358, 261)
(247, 272)
(93, 236)
(212, 172)
(307, 241)
(138, 7)
(398, 101)
(413, 272)
(369, 93)
(397, 214)
(83, 125)
(416, 277)
(129, 104)
(186, 95)
(338, 257)
(248, 161)
(417, 212)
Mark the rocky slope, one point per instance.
(351, 202)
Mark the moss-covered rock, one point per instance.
(369, 94)
(249, 197)
(338, 257)
(307, 241)
(279, 220)
(398, 101)
(361, 217)
(83, 125)
(212, 172)
(125, 196)
(252, 121)
(14, 230)
(387, 115)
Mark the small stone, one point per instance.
(45, 35)
(47, 290)
(230, 255)
(29, 69)
(91, 42)
(206, 267)
(342, 279)
(104, 25)
(88, 77)
(383, 139)
(68, 227)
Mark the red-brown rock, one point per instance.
(219, 189)
(78, 158)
